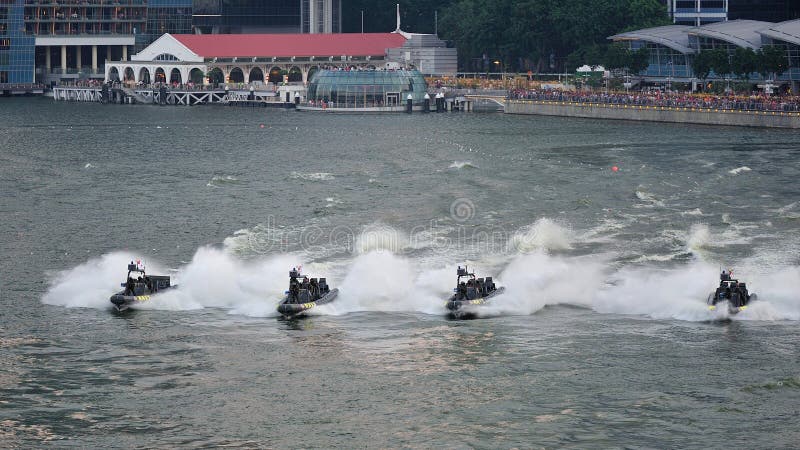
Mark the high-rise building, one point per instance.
(73, 39)
(165, 16)
(275, 16)
(16, 46)
(51, 40)
(764, 10)
(697, 12)
(701, 12)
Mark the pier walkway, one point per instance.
(8, 89)
(166, 96)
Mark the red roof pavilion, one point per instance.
(289, 45)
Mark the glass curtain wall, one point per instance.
(165, 16)
(366, 88)
(664, 61)
(793, 50)
(85, 17)
(764, 10)
(16, 48)
(279, 14)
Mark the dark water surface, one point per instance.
(602, 339)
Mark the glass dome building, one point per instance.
(366, 88)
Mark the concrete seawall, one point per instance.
(766, 119)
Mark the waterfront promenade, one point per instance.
(751, 111)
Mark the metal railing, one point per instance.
(21, 86)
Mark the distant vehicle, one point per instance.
(139, 289)
(731, 291)
(470, 295)
(305, 294)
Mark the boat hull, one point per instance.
(732, 309)
(291, 310)
(469, 308)
(124, 302)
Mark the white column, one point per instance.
(312, 16)
(327, 13)
(63, 59)
(47, 62)
(185, 74)
(124, 52)
(94, 59)
(108, 54)
(78, 57)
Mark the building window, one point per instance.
(320, 16)
(166, 57)
(306, 13)
(335, 16)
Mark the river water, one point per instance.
(602, 338)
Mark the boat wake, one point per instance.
(379, 276)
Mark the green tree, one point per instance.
(744, 63)
(720, 61)
(591, 55)
(701, 64)
(536, 29)
(772, 60)
(640, 59)
(618, 56)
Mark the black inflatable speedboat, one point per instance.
(731, 291)
(305, 294)
(471, 294)
(139, 289)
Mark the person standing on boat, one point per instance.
(725, 276)
(462, 291)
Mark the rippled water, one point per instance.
(602, 339)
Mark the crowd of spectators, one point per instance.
(754, 102)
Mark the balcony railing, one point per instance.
(75, 71)
(85, 3)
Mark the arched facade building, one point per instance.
(253, 58)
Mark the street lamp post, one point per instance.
(502, 68)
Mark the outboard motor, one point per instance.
(489, 284)
(294, 273)
(132, 267)
(462, 272)
(323, 286)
